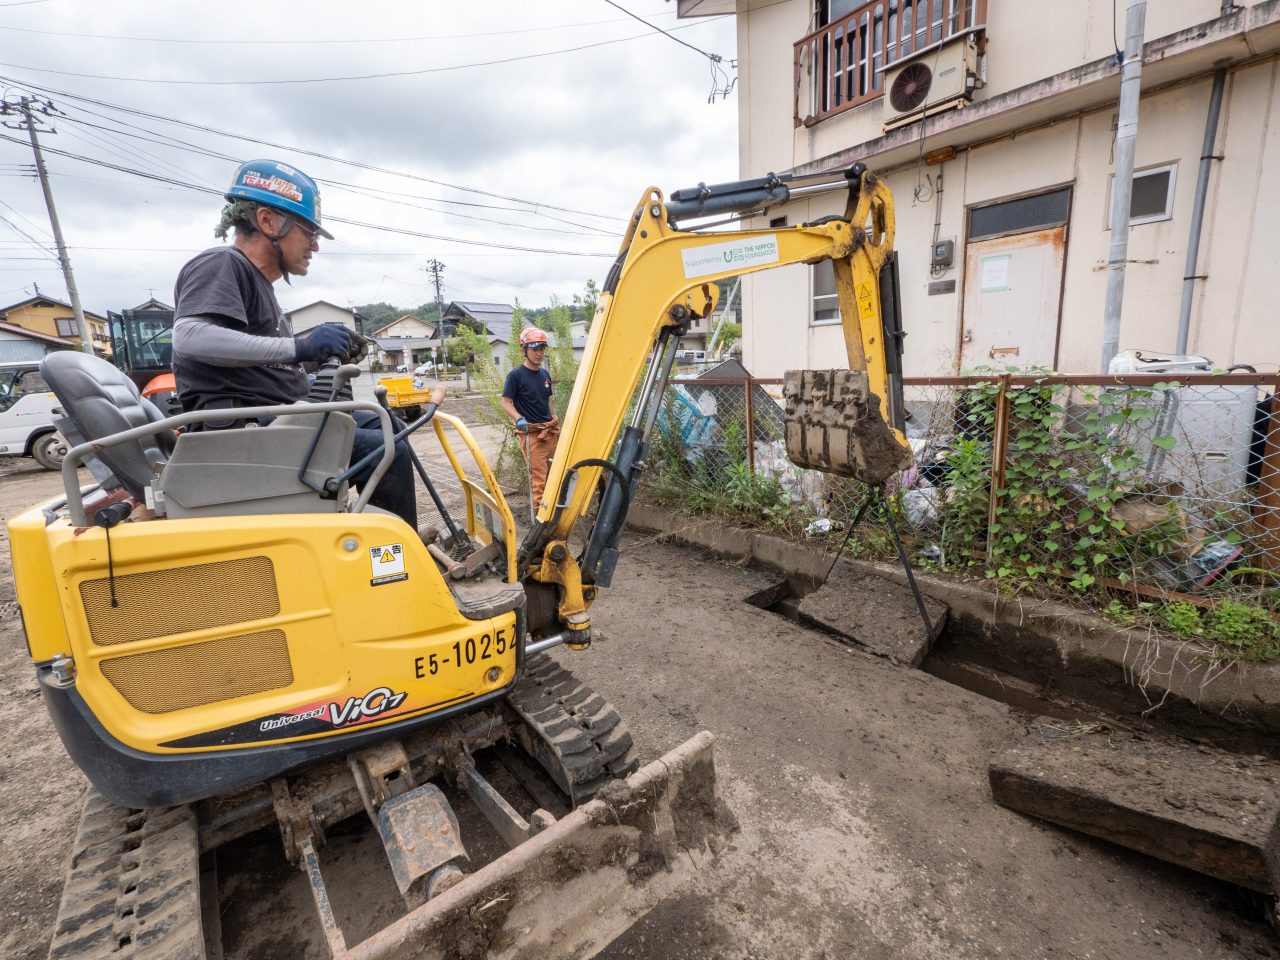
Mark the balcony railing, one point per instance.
(841, 65)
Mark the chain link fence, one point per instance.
(1156, 484)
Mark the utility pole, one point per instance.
(1122, 184)
(28, 108)
(436, 269)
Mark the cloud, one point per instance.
(586, 131)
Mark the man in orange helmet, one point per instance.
(526, 397)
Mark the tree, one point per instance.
(378, 314)
(730, 333)
(584, 304)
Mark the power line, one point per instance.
(354, 223)
(453, 36)
(538, 206)
(718, 72)
(373, 192)
(360, 76)
(617, 6)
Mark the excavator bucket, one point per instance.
(580, 882)
(833, 424)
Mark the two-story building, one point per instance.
(54, 318)
(494, 318)
(994, 123)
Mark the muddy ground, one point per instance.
(867, 825)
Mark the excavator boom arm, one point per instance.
(662, 279)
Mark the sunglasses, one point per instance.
(308, 229)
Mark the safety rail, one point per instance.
(841, 65)
(487, 493)
(71, 462)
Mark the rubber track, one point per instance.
(580, 738)
(133, 887)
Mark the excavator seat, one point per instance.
(202, 474)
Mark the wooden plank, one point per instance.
(1211, 811)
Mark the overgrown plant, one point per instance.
(1066, 471)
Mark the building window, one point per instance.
(826, 304)
(67, 327)
(1152, 198)
(829, 11)
(1038, 212)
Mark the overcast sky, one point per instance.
(585, 131)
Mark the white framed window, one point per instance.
(826, 305)
(1152, 198)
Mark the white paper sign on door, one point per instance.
(995, 273)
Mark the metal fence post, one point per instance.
(1268, 504)
(999, 451)
(751, 428)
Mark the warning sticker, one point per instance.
(387, 564)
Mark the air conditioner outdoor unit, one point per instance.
(931, 81)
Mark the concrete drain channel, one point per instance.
(1145, 769)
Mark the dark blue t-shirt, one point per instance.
(530, 391)
(224, 286)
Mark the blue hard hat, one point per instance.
(279, 185)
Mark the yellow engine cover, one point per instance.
(237, 632)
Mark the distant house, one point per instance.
(494, 318)
(18, 344)
(406, 326)
(152, 304)
(322, 311)
(56, 318)
(405, 341)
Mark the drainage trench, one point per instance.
(947, 660)
(1023, 669)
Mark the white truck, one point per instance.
(26, 416)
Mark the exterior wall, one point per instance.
(14, 348)
(1239, 252)
(1239, 249)
(312, 315)
(407, 327)
(43, 318)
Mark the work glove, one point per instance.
(522, 425)
(324, 341)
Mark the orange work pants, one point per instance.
(538, 444)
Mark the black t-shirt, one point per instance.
(223, 285)
(530, 391)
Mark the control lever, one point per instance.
(344, 373)
(458, 537)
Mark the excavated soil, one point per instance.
(868, 828)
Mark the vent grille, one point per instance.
(161, 681)
(911, 87)
(161, 603)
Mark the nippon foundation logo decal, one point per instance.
(719, 257)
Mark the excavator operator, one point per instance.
(232, 344)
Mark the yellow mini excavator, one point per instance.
(228, 637)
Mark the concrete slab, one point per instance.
(1211, 811)
(877, 614)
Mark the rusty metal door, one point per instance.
(1012, 300)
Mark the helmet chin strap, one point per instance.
(275, 245)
